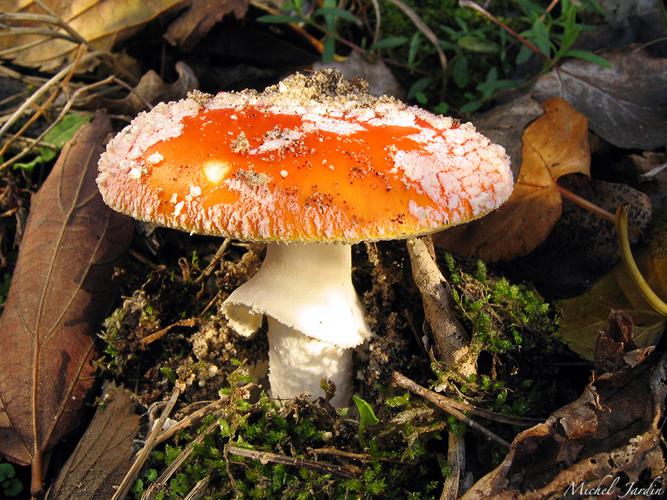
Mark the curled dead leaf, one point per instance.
(612, 430)
(554, 145)
(585, 316)
(60, 291)
(150, 90)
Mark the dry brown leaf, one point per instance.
(60, 291)
(612, 430)
(104, 454)
(151, 89)
(202, 15)
(101, 23)
(554, 145)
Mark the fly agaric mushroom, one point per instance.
(309, 166)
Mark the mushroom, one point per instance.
(309, 166)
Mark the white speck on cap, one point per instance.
(216, 171)
(155, 158)
(283, 173)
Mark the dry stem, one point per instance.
(451, 339)
(443, 403)
(144, 453)
(266, 457)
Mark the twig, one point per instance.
(451, 339)
(378, 21)
(41, 108)
(20, 48)
(364, 457)
(64, 24)
(143, 454)
(42, 90)
(196, 416)
(456, 458)
(428, 33)
(592, 207)
(481, 412)
(152, 337)
(61, 115)
(147, 262)
(214, 261)
(404, 382)
(166, 475)
(13, 31)
(472, 5)
(199, 489)
(265, 457)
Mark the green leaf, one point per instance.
(138, 487)
(460, 72)
(329, 49)
(336, 12)
(524, 54)
(478, 44)
(390, 42)
(57, 137)
(366, 417)
(12, 487)
(151, 475)
(540, 37)
(418, 87)
(414, 48)
(471, 106)
(6, 471)
(589, 56)
(270, 19)
(66, 129)
(442, 108)
(366, 414)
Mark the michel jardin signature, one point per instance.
(610, 485)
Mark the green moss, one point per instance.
(513, 337)
(399, 461)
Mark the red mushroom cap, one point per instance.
(312, 159)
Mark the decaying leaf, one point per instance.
(612, 430)
(151, 89)
(60, 291)
(554, 145)
(504, 125)
(625, 104)
(104, 453)
(583, 318)
(615, 347)
(198, 20)
(102, 24)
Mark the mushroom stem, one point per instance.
(298, 363)
(314, 316)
